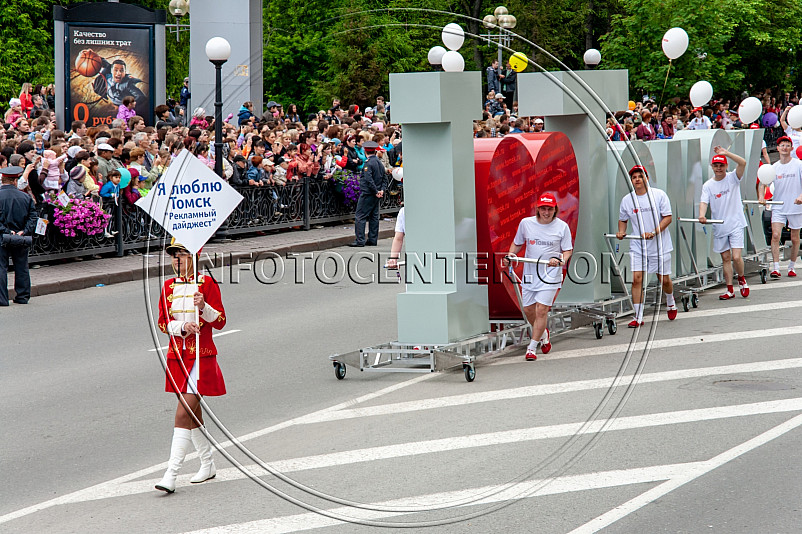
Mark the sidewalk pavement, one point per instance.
(73, 275)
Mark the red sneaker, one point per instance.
(744, 287)
(545, 344)
(530, 355)
(728, 295)
(792, 274)
(634, 324)
(775, 274)
(672, 312)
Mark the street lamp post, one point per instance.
(218, 50)
(178, 8)
(502, 20)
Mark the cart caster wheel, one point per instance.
(612, 327)
(339, 370)
(598, 329)
(695, 300)
(685, 303)
(470, 373)
(764, 273)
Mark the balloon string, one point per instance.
(660, 102)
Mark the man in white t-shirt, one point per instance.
(723, 194)
(788, 190)
(546, 238)
(699, 122)
(650, 212)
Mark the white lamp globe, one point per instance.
(453, 61)
(500, 10)
(178, 8)
(436, 55)
(218, 49)
(489, 21)
(592, 57)
(453, 36)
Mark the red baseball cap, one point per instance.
(719, 159)
(640, 168)
(546, 199)
(754, 126)
(784, 138)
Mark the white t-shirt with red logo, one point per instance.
(788, 186)
(724, 198)
(652, 206)
(543, 241)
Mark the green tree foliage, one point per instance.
(26, 53)
(737, 45)
(317, 50)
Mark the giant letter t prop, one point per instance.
(437, 110)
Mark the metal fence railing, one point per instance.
(301, 204)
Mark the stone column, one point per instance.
(240, 23)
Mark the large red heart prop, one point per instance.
(510, 173)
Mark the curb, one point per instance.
(132, 275)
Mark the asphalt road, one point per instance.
(708, 440)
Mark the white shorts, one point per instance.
(541, 296)
(730, 241)
(794, 221)
(637, 264)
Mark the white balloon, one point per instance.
(701, 93)
(453, 36)
(592, 57)
(453, 61)
(766, 174)
(675, 43)
(398, 174)
(795, 117)
(749, 110)
(436, 55)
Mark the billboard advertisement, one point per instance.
(106, 63)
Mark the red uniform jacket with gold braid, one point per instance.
(176, 307)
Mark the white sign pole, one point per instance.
(197, 322)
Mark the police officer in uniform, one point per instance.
(18, 218)
(371, 193)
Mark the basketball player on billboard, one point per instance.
(112, 81)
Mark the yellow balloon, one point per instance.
(631, 105)
(518, 62)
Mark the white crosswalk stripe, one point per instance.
(377, 411)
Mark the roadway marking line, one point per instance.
(529, 488)
(461, 443)
(675, 342)
(109, 485)
(703, 468)
(775, 285)
(740, 309)
(547, 389)
(219, 334)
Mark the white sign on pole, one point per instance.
(190, 201)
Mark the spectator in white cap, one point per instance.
(538, 125)
(500, 103)
(104, 164)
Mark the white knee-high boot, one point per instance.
(182, 439)
(204, 448)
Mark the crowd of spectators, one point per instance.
(260, 149)
(277, 146)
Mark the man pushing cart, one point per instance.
(723, 194)
(548, 248)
